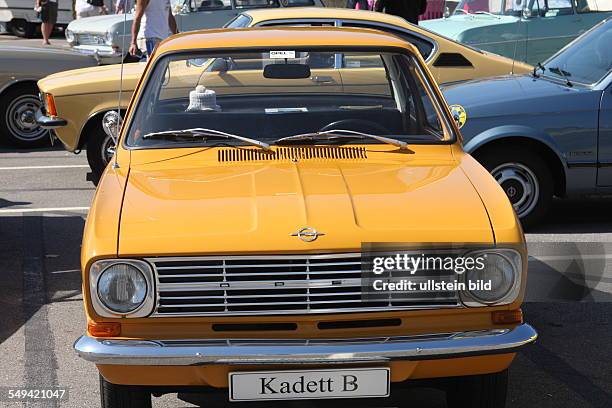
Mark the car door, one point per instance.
(604, 173)
(201, 14)
(551, 24)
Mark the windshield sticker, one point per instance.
(282, 54)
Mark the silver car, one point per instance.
(20, 69)
(108, 38)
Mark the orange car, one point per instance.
(236, 240)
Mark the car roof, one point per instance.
(328, 13)
(280, 37)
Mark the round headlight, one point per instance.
(122, 288)
(109, 38)
(492, 279)
(70, 36)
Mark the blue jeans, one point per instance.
(150, 44)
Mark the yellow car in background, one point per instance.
(234, 242)
(82, 97)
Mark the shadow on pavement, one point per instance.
(39, 264)
(588, 215)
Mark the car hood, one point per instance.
(192, 204)
(98, 24)
(92, 80)
(506, 95)
(453, 26)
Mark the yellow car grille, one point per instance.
(283, 284)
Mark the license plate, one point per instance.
(309, 384)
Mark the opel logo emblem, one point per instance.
(307, 234)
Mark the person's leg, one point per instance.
(44, 17)
(151, 44)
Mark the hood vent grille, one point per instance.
(293, 153)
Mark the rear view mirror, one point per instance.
(286, 71)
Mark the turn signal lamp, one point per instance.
(50, 105)
(507, 316)
(104, 329)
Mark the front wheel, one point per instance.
(524, 177)
(18, 125)
(123, 396)
(478, 391)
(100, 150)
(23, 29)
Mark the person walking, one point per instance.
(153, 22)
(89, 8)
(48, 16)
(122, 6)
(408, 9)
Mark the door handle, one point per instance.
(322, 79)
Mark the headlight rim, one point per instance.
(69, 33)
(109, 38)
(471, 300)
(96, 270)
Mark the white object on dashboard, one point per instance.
(202, 99)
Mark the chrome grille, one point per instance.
(282, 284)
(89, 39)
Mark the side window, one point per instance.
(593, 6)
(360, 60)
(425, 47)
(246, 4)
(558, 8)
(204, 5)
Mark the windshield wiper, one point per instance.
(537, 67)
(563, 73)
(341, 134)
(205, 134)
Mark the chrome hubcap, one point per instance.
(21, 118)
(520, 185)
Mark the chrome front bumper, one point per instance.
(102, 53)
(316, 351)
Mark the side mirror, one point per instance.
(527, 13)
(446, 12)
(111, 123)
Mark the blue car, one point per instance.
(548, 133)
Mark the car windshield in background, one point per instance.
(192, 99)
(496, 7)
(587, 60)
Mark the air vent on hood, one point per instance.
(292, 153)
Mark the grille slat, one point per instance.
(281, 284)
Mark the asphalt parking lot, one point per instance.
(44, 198)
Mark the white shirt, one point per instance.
(82, 6)
(154, 23)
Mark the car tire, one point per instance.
(98, 154)
(23, 29)
(18, 126)
(478, 391)
(123, 396)
(524, 177)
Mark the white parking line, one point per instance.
(64, 166)
(50, 209)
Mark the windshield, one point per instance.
(269, 95)
(587, 60)
(497, 7)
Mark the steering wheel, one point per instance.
(357, 125)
